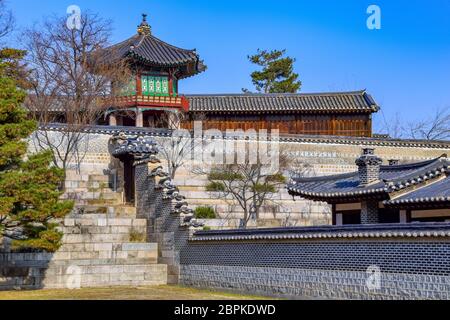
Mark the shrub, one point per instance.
(137, 236)
(205, 213)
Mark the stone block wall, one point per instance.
(334, 263)
(321, 157)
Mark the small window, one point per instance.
(155, 86)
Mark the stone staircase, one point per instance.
(104, 244)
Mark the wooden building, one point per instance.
(158, 68)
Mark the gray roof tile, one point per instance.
(357, 101)
(150, 50)
(395, 178)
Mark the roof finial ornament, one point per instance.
(144, 28)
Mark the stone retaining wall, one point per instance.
(324, 156)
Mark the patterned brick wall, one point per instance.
(369, 212)
(332, 264)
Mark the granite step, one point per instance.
(103, 229)
(104, 222)
(100, 202)
(96, 238)
(108, 247)
(106, 261)
(98, 211)
(105, 275)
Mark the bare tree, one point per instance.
(70, 82)
(177, 149)
(393, 127)
(248, 185)
(436, 127)
(6, 20)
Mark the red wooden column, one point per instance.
(171, 72)
(138, 84)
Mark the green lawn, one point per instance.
(124, 293)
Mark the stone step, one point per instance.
(139, 269)
(105, 275)
(100, 202)
(98, 195)
(96, 238)
(98, 211)
(85, 221)
(108, 247)
(99, 178)
(125, 210)
(104, 261)
(103, 229)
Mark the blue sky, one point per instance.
(405, 65)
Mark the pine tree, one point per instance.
(277, 74)
(29, 188)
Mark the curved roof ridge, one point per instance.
(172, 46)
(420, 169)
(121, 43)
(325, 178)
(361, 92)
(413, 165)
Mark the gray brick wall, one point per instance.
(369, 212)
(411, 268)
(311, 283)
(141, 189)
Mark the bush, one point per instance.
(137, 236)
(205, 213)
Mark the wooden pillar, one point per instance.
(403, 216)
(174, 122)
(171, 86)
(333, 213)
(339, 219)
(151, 121)
(112, 120)
(138, 84)
(139, 118)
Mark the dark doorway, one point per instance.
(351, 217)
(128, 122)
(389, 215)
(128, 176)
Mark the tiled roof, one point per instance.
(152, 51)
(137, 145)
(410, 230)
(356, 101)
(435, 192)
(393, 179)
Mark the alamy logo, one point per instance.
(373, 281)
(73, 21)
(374, 19)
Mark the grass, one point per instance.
(125, 293)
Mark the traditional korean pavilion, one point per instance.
(159, 69)
(394, 193)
